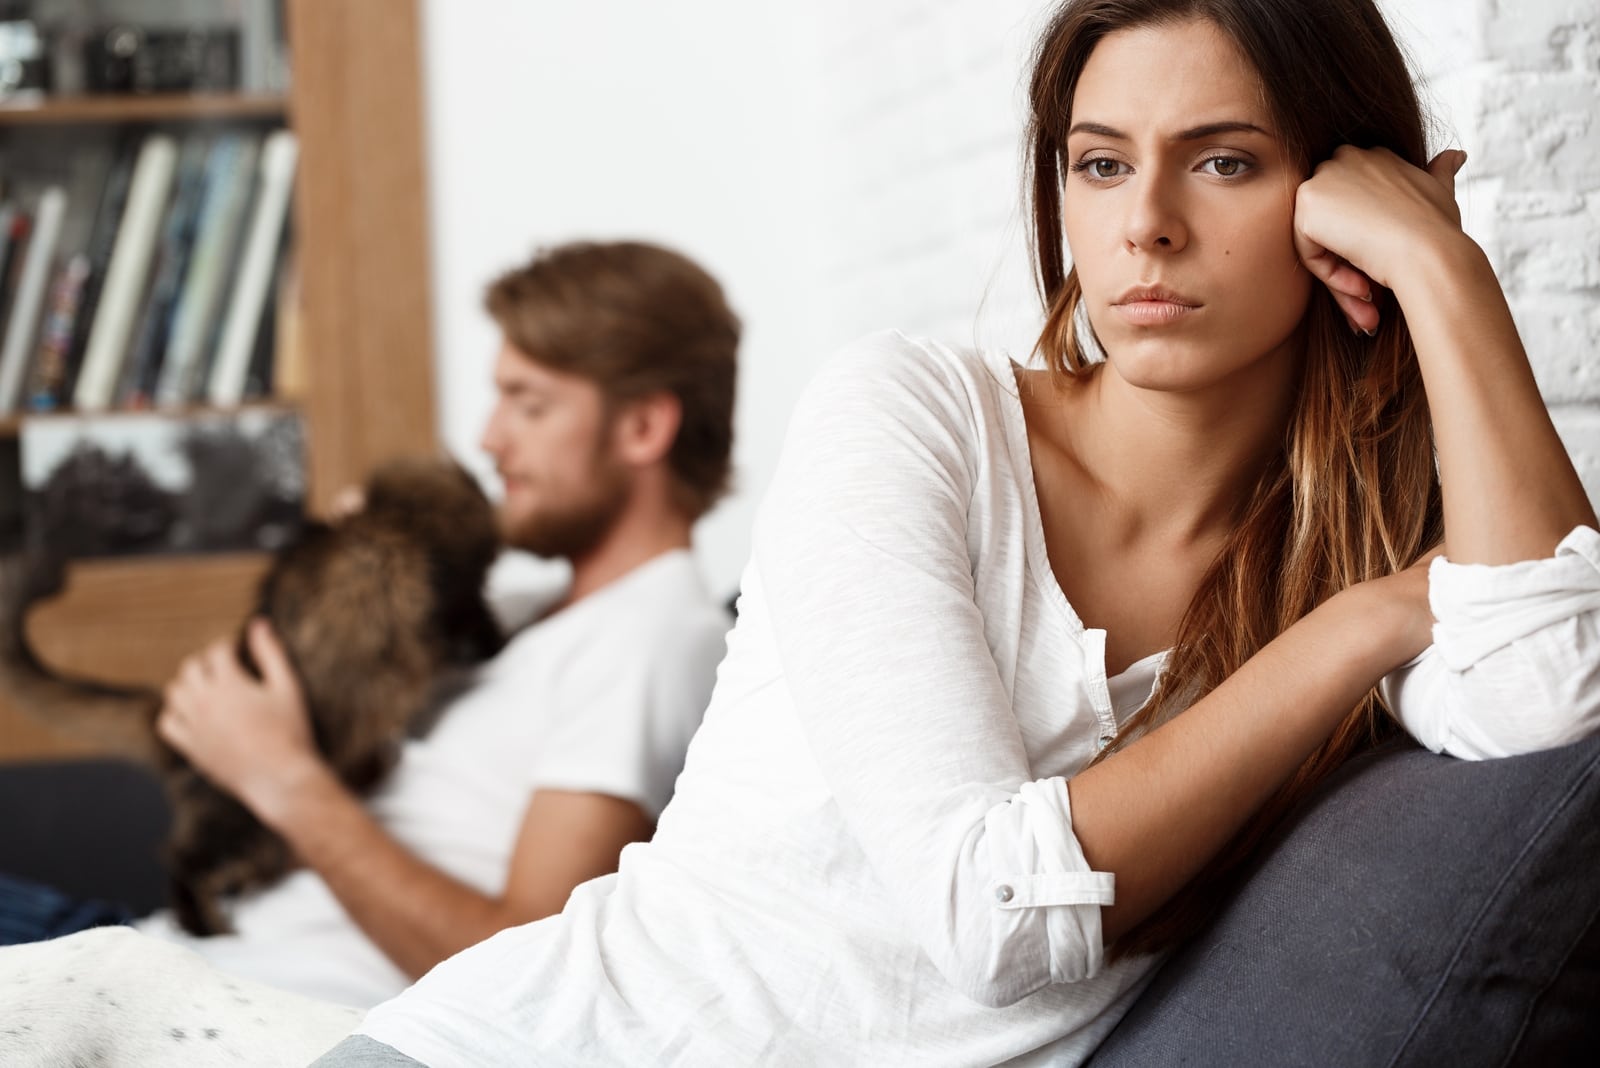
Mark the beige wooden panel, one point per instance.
(362, 230)
(129, 621)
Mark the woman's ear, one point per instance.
(646, 427)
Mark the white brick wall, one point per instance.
(1520, 82)
(921, 114)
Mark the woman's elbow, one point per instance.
(1544, 713)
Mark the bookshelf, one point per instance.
(165, 107)
(359, 216)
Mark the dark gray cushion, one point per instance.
(1418, 911)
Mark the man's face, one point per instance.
(550, 439)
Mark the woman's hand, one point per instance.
(250, 738)
(1362, 215)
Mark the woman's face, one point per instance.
(1178, 208)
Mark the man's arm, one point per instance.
(253, 740)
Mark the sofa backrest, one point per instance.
(1418, 911)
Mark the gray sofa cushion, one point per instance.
(1418, 911)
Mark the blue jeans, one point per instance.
(30, 912)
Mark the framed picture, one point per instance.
(149, 482)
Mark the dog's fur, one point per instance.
(112, 996)
(371, 610)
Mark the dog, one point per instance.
(113, 996)
(373, 609)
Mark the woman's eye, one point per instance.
(1225, 166)
(1100, 168)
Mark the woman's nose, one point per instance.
(1155, 223)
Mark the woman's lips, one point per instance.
(1153, 312)
(1153, 305)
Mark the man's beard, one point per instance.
(572, 528)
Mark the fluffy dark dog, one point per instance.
(371, 610)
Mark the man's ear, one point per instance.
(645, 428)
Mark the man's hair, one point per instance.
(635, 319)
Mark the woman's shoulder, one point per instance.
(894, 369)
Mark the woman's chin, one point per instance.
(1175, 364)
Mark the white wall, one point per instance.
(687, 123)
(846, 166)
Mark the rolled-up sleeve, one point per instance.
(862, 546)
(1047, 876)
(1515, 661)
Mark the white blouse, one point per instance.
(869, 858)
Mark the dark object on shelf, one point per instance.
(24, 56)
(152, 482)
(133, 59)
(373, 611)
(97, 503)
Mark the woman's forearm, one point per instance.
(1510, 491)
(1154, 813)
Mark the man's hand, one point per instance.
(347, 502)
(253, 739)
(250, 738)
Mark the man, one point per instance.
(612, 432)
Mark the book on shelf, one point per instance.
(167, 293)
(102, 238)
(229, 178)
(15, 227)
(260, 379)
(47, 380)
(11, 522)
(8, 215)
(12, 220)
(23, 316)
(143, 364)
(257, 266)
(148, 193)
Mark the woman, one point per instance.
(933, 785)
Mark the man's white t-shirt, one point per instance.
(602, 696)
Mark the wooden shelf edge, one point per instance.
(156, 107)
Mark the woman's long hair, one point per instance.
(1354, 493)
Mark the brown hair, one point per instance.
(635, 319)
(1354, 493)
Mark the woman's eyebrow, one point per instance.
(1196, 133)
